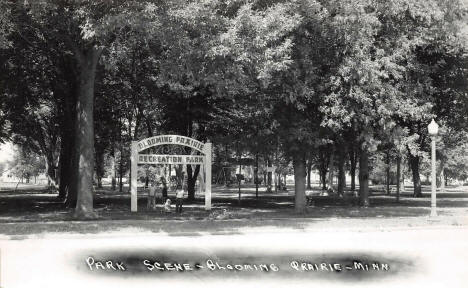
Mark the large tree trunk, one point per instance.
(85, 132)
(352, 169)
(341, 170)
(63, 161)
(147, 179)
(387, 173)
(269, 173)
(113, 170)
(364, 177)
(65, 165)
(50, 171)
(402, 172)
(398, 176)
(180, 173)
(299, 183)
(191, 180)
(309, 171)
(134, 138)
(121, 169)
(331, 167)
(72, 185)
(414, 163)
(256, 176)
(68, 170)
(323, 178)
(323, 168)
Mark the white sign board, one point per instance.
(137, 158)
(170, 159)
(170, 140)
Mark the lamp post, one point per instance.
(433, 129)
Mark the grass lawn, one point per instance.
(31, 209)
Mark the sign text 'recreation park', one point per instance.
(169, 159)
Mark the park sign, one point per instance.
(170, 159)
(170, 140)
(204, 160)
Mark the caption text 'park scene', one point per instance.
(258, 110)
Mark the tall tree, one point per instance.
(88, 28)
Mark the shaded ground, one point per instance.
(39, 211)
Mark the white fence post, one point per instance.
(133, 177)
(207, 149)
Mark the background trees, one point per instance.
(25, 166)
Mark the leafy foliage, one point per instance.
(281, 80)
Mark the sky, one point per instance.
(6, 152)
